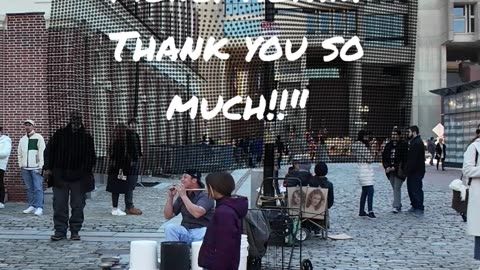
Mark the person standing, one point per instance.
(415, 171)
(5, 151)
(220, 249)
(69, 161)
(365, 157)
(394, 158)
(30, 161)
(120, 179)
(431, 149)
(471, 171)
(134, 152)
(441, 153)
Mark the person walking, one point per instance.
(30, 161)
(5, 151)
(134, 152)
(415, 171)
(120, 179)
(471, 171)
(431, 149)
(394, 158)
(220, 249)
(69, 161)
(365, 157)
(441, 153)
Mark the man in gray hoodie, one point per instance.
(5, 150)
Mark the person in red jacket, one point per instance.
(220, 249)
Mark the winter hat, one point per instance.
(321, 169)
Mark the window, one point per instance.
(386, 30)
(463, 18)
(333, 22)
(240, 7)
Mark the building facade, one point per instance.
(448, 52)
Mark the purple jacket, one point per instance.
(221, 245)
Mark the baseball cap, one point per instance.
(29, 122)
(197, 175)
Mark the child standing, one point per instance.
(364, 156)
(221, 245)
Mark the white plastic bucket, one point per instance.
(195, 251)
(143, 255)
(243, 253)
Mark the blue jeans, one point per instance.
(175, 232)
(34, 182)
(367, 195)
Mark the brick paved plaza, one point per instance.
(437, 241)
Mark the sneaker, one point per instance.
(29, 210)
(58, 237)
(2, 205)
(75, 236)
(395, 210)
(134, 211)
(411, 210)
(371, 215)
(417, 213)
(118, 212)
(38, 212)
(363, 214)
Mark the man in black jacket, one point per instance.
(415, 171)
(69, 160)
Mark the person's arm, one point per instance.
(169, 211)
(331, 198)
(92, 157)
(385, 157)
(469, 169)
(19, 153)
(41, 150)
(5, 152)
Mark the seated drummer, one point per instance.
(196, 208)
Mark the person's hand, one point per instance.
(172, 191)
(392, 169)
(47, 173)
(181, 190)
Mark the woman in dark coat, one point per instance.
(118, 180)
(440, 153)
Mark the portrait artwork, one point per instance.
(315, 203)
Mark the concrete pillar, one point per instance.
(355, 98)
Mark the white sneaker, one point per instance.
(2, 205)
(395, 210)
(118, 212)
(38, 212)
(29, 210)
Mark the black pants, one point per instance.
(367, 193)
(415, 190)
(128, 199)
(62, 192)
(476, 255)
(2, 187)
(441, 160)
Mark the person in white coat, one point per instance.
(5, 150)
(364, 156)
(30, 161)
(471, 170)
